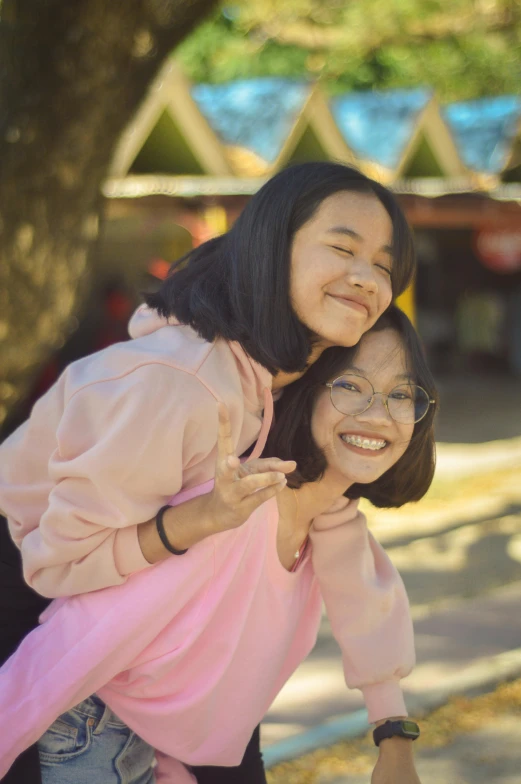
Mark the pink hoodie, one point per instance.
(191, 653)
(119, 433)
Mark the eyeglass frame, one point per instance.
(385, 396)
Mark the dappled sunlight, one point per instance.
(438, 554)
(450, 551)
(514, 546)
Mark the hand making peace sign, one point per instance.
(242, 487)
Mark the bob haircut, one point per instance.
(237, 286)
(291, 439)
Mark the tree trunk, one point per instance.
(72, 73)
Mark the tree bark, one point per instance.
(72, 73)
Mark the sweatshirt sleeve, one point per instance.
(368, 609)
(123, 445)
(87, 640)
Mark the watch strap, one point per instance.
(399, 727)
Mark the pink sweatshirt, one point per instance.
(191, 653)
(119, 433)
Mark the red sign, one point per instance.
(499, 250)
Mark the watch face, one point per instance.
(410, 727)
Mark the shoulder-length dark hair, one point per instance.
(237, 286)
(291, 437)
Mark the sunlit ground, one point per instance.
(461, 540)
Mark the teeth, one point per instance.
(365, 443)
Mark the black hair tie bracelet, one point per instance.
(162, 533)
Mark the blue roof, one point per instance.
(257, 114)
(377, 126)
(484, 130)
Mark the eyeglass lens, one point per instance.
(407, 403)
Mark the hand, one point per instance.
(241, 487)
(395, 763)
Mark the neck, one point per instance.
(282, 379)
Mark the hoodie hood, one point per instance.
(144, 321)
(254, 377)
(256, 380)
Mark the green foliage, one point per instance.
(464, 49)
(217, 52)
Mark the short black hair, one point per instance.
(237, 286)
(291, 436)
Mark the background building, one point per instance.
(194, 154)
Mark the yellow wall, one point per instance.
(406, 302)
(216, 219)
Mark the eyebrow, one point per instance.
(354, 235)
(398, 377)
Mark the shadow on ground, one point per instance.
(475, 409)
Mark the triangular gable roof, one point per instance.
(384, 128)
(485, 130)
(170, 93)
(316, 119)
(512, 173)
(254, 118)
(432, 129)
(379, 125)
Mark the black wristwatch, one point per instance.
(403, 728)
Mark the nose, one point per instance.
(361, 275)
(377, 414)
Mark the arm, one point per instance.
(369, 613)
(368, 609)
(126, 446)
(395, 764)
(123, 447)
(238, 489)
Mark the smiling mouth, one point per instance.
(365, 444)
(351, 303)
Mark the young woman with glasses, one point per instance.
(185, 658)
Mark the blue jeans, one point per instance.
(90, 745)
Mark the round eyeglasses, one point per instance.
(353, 394)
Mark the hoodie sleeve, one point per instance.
(87, 640)
(368, 609)
(123, 445)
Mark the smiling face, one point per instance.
(341, 268)
(363, 447)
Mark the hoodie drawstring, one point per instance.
(265, 427)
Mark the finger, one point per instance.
(255, 482)
(228, 470)
(225, 447)
(260, 497)
(260, 465)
